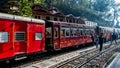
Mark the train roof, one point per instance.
(65, 23)
(21, 18)
(72, 24)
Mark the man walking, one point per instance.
(93, 40)
(97, 40)
(114, 37)
(101, 41)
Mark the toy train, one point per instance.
(23, 36)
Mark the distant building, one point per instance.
(91, 23)
(40, 12)
(6, 5)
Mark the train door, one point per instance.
(56, 30)
(49, 35)
(20, 44)
(35, 37)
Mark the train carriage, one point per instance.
(20, 35)
(62, 34)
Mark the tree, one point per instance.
(24, 7)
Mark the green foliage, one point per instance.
(101, 5)
(25, 8)
(91, 9)
(39, 1)
(94, 10)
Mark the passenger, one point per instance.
(104, 37)
(92, 37)
(96, 40)
(101, 41)
(114, 37)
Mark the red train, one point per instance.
(23, 36)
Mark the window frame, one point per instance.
(20, 40)
(81, 31)
(65, 28)
(61, 30)
(48, 30)
(75, 31)
(7, 38)
(36, 36)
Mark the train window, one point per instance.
(86, 32)
(72, 32)
(20, 36)
(63, 32)
(80, 30)
(38, 36)
(75, 31)
(3, 36)
(67, 32)
(83, 31)
(56, 32)
(48, 32)
(92, 31)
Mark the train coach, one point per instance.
(62, 34)
(20, 36)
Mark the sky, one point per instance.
(117, 1)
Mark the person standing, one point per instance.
(101, 41)
(93, 40)
(114, 37)
(97, 40)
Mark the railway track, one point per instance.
(90, 59)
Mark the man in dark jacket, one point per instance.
(92, 37)
(114, 37)
(101, 41)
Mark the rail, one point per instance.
(94, 56)
(84, 58)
